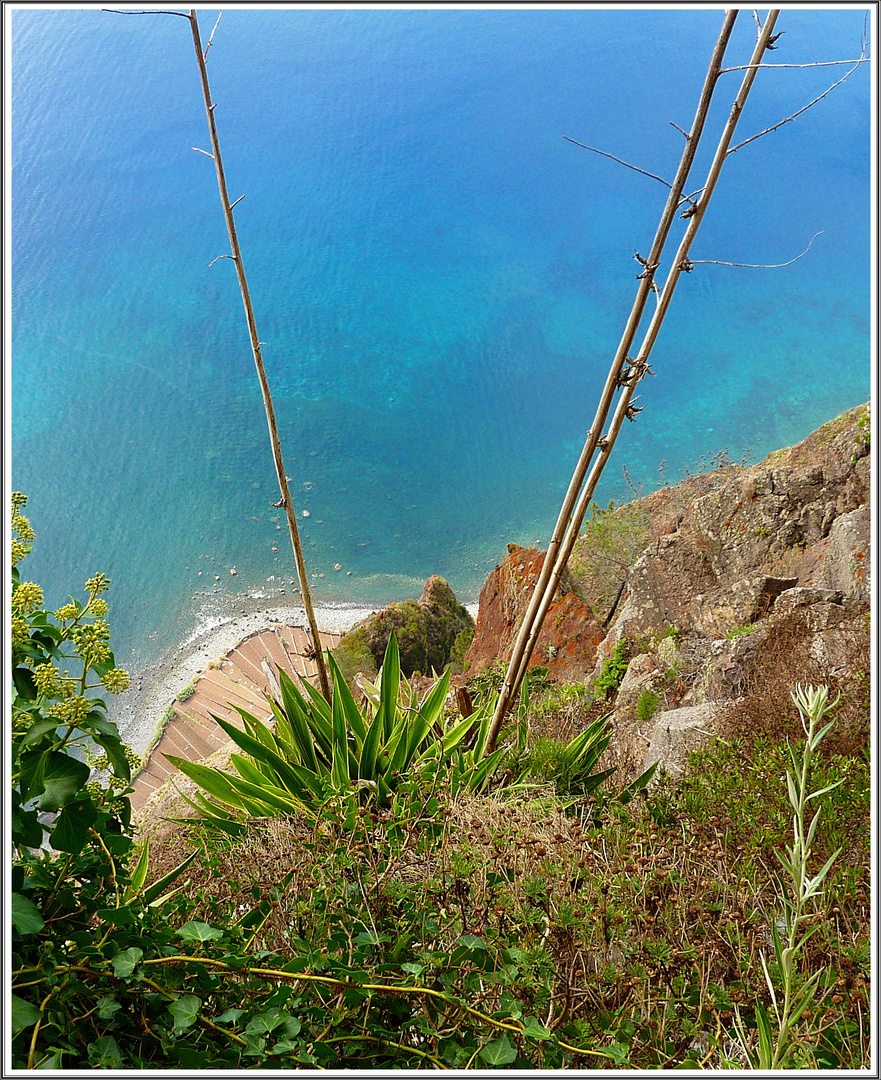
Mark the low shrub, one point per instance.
(613, 671)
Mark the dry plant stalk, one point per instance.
(236, 256)
(569, 523)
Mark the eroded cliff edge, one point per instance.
(725, 590)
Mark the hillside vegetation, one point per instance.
(367, 890)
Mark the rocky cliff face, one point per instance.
(570, 635)
(736, 585)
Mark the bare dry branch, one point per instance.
(219, 257)
(150, 11)
(283, 480)
(815, 63)
(603, 153)
(756, 266)
(236, 203)
(211, 38)
(681, 131)
(558, 552)
(788, 119)
(205, 152)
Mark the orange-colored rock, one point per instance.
(569, 637)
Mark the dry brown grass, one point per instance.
(783, 659)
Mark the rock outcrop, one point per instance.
(569, 637)
(426, 631)
(761, 574)
(729, 588)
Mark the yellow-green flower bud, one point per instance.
(72, 711)
(98, 606)
(27, 597)
(66, 612)
(116, 681)
(48, 680)
(98, 584)
(23, 527)
(20, 630)
(19, 550)
(18, 499)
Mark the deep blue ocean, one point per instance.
(441, 281)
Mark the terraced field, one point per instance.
(242, 679)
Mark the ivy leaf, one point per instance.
(23, 679)
(23, 1014)
(533, 1029)
(107, 1007)
(499, 1051)
(266, 1021)
(26, 918)
(199, 931)
(71, 829)
(25, 825)
(55, 776)
(371, 937)
(115, 752)
(124, 963)
(121, 916)
(105, 1054)
(619, 1052)
(471, 942)
(185, 1010)
(54, 1061)
(285, 1046)
(255, 1045)
(37, 730)
(230, 1014)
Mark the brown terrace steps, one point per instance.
(240, 681)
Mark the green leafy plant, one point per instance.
(70, 832)
(55, 715)
(739, 631)
(863, 441)
(647, 705)
(572, 767)
(777, 1044)
(187, 691)
(319, 751)
(613, 670)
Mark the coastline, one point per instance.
(139, 710)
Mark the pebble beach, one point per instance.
(138, 711)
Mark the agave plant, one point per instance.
(315, 750)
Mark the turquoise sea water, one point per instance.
(440, 279)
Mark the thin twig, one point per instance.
(753, 138)
(814, 63)
(211, 38)
(236, 203)
(681, 131)
(756, 266)
(758, 22)
(547, 585)
(620, 162)
(150, 11)
(219, 257)
(205, 152)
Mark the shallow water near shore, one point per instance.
(440, 279)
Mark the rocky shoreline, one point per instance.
(138, 711)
